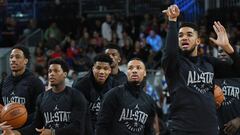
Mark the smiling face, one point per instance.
(136, 71)
(56, 75)
(101, 71)
(188, 40)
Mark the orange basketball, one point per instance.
(218, 95)
(15, 114)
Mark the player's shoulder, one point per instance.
(115, 91)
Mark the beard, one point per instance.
(188, 52)
(135, 82)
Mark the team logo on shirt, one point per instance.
(56, 118)
(200, 80)
(133, 119)
(14, 98)
(95, 106)
(231, 93)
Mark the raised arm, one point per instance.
(170, 52)
(223, 69)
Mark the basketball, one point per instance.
(15, 114)
(218, 95)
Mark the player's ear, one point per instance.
(65, 74)
(198, 41)
(25, 61)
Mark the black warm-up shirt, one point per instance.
(126, 110)
(23, 89)
(65, 112)
(230, 108)
(94, 93)
(119, 79)
(190, 81)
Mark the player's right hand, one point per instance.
(172, 12)
(7, 129)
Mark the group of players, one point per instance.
(106, 101)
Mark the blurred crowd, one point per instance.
(142, 37)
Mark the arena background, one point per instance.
(78, 22)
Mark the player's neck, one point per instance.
(115, 70)
(58, 88)
(18, 73)
(194, 53)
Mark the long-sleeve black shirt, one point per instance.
(230, 108)
(65, 112)
(94, 93)
(119, 78)
(126, 110)
(190, 81)
(22, 89)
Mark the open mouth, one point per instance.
(52, 79)
(185, 45)
(134, 76)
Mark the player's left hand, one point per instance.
(232, 126)
(7, 129)
(222, 38)
(44, 131)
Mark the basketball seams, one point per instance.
(2, 115)
(17, 125)
(16, 115)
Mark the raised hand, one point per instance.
(222, 38)
(172, 12)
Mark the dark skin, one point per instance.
(232, 126)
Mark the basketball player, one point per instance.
(127, 109)
(21, 85)
(190, 77)
(115, 53)
(229, 112)
(94, 85)
(60, 110)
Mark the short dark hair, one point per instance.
(25, 51)
(138, 59)
(61, 62)
(191, 25)
(114, 46)
(103, 58)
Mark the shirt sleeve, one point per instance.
(78, 116)
(106, 114)
(37, 87)
(149, 130)
(171, 50)
(226, 69)
(38, 120)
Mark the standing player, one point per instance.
(115, 53)
(229, 112)
(127, 109)
(190, 77)
(94, 85)
(60, 110)
(21, 85)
